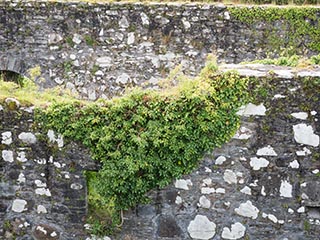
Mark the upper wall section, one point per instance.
(97, 49)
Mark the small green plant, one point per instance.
(90, 40)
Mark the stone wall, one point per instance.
(43, 193)
(264, 184)
(98, 49)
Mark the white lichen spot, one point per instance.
(144, 19)
(41, 161)
(19, 205)
(316, 171)
(243, 133)
(53, 234)
(183, 184)
(204, 202)
(247, 210)
(237, 231)
(54, 139)
(207, 190)
(294, 164)
(252, 109)
(43, 191)
(27, 137)
(131, 38)
(272, 218)
(266, 151)
(6, 138)
(207, 170)
(21, 178)
(22, 157)
(301, 209)
(206, 181)
(220, 160)
(303, 152)
(39, 183)
(246, 190)
(313, 113)
(290, 210)
(229, 176)
(41, 209)
(263, 191)
(178, 200)
(201, 228)
(7, 156)
(304, 134)
(186, 24)
(258, 163)
(41, 229)
(226, 15)
(285, 189)
(76, 186)
(221, 190)
(300, 115)
(57, 164)
(278, 96)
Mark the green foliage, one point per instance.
(145, 139)
(298, 22)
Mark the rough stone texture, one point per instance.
(37, 200)
(96, 49)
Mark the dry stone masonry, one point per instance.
(96, 50)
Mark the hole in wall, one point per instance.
(11, 76)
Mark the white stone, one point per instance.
(246, 190)
(104, 62)
(41, 229)
(131, 38)
(237, 231)
(6, 138)
(258, 163)
(300, 115)
(39, 183)
(185, 23)
(316, 171)
(313, 113)
(7, 156)
(204, 202)
(22, 157)
(221, 190)
(272, 218)
(123, 78)
(76, 186)
(183, 184)
(207, 190)
(294, 164)
(304, 196)
(19, 205)
(303, 152)
(252, 109)
(123, 23)
(207, 181)
(41, 161)
(278, 96)
(1, 108)
(57, 164)
(53, 234)
(43, 191)
(243, 133)
(144, 19)
(226, 15)
(301, 209)
(76, 38)
(73, 57)
(285, 189)
(263, 193)
(27, 137)
(41, 209)
(229, 176)
(247, 210)
(207, 170)
(21, 178)
(178, 200)
(266, 151)
(304, 134)
(220, 160)
(201, 228)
